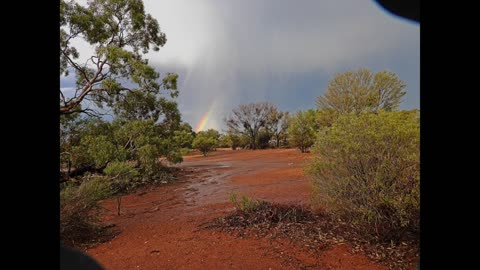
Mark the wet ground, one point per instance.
(161, 228)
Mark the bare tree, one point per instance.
(247, 119)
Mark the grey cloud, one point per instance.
(232, 52)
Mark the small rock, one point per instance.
(163, 182)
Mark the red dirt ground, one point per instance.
(160, 228)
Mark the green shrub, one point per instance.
(245, 204)
(302, 129)
(366, 171)
(204, 142)
(122, 176)
(79, 209)
(148, 159)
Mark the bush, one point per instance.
(79, 210)
(302, 129)
(123, 176)
(245, 204)
(204, 142)
(366, 171)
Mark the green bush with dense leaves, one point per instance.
(366, 171)
(206, 141)
(302, 129)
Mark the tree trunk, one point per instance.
(119, 204)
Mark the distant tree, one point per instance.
(243, 141)
(234, 140)
(121, 33)
(277, 125)
(247, 119)
(302, 130)
(362, 91)
(263, 138)
(215, 134)
(205, 142)
(224, 141)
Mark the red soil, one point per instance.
(160, 228)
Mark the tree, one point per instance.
(95, 143)
(187, 128)
(277, 125)
(121, 175)
(233, 140)
(212, 133)
(225, 141)
(205, 142)
(121, 33)
(140, 105)
(183, 139)
(263, 138)
(362, 91)
(247, 119)
(326, 117)
(302, 129)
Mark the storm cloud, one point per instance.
(232, 52)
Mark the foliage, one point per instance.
(225, 141)
(205, 141)
(212, 133)
(96, 143)
(247, 119)
(244, 141)
(141, 105)
(326, 117)
(362, 91)
(122, 176)
(302, 129)
(277, 125)
(183, 139)
(185, 151)
(79, 209)
(245, 204)
(120, 33)
(366, 170)
(263, 138)
(234, 140)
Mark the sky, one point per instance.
(228, 53)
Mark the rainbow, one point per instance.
(204, 120)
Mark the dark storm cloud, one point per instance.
(232, 52)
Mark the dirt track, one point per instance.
(160, 228)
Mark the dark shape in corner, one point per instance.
(408, 9)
